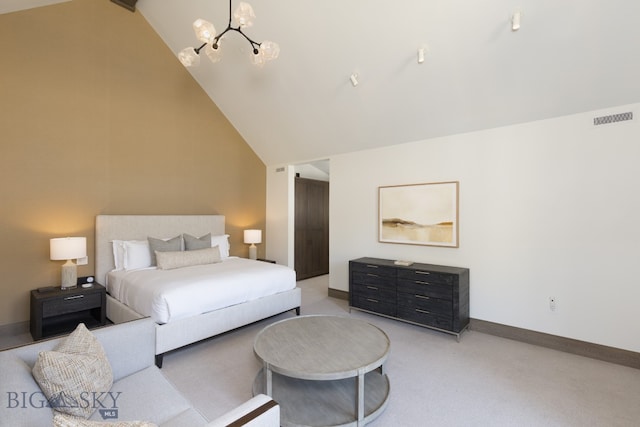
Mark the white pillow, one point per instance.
(118, 254)
(222, 242)
(136, 254)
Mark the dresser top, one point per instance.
(414, 266)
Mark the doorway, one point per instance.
(311, 227)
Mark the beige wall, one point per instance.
(97, 116)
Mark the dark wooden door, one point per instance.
(311, 228)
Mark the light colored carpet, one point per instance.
(435, 381)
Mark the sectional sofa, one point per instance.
(140, 390)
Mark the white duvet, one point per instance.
(167, 295)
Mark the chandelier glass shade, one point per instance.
(243, 17)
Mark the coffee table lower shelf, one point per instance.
(325, 403)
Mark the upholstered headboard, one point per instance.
(139, 227)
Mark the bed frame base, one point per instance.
(176, 334)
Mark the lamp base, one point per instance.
(253, 252)
(69, 275)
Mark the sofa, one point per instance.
(140, 391)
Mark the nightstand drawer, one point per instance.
(71, 304)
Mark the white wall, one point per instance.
(547, 208)
(280, 214)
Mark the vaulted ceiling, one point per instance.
(569, 56)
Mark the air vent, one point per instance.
(280, 169)
(613, 118)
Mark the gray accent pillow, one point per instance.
(159, 245)
(194, 243)
(72, 374)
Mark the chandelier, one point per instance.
(243, 17)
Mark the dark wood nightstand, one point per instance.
(58, 311)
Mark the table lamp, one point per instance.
(68, 248)
(253, 237)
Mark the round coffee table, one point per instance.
(323, 370)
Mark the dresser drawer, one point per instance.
(424, 317)
(424, 288)
(425, 276)
(71, 304)
(373, 291)
(363, 278)
(376, 305)
(378, 270)
(442, 307)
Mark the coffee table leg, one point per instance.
(360, 398)
(268, 380)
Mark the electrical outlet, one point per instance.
(552, 303)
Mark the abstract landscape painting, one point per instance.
(419, 214)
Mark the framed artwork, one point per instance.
(419, 214)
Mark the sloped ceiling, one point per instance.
(569, 56)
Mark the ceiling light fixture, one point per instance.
(354, 79)
(243, 17)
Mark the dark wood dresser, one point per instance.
(433, 296)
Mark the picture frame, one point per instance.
(419, 214)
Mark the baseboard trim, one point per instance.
(14, 328)
(336, 293)
(568, 345)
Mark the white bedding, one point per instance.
(167, 295)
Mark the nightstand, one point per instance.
(58, 311)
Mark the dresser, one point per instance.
(433, 296)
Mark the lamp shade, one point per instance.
(65, 248)
(253, 236)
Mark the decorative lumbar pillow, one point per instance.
(74, 374)
(64, 420)
(160, 245)
(171, 260)
(193, 243)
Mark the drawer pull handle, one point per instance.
(372, 300)
(423, 311)
(422, 272)
(372, 275)
(73, 297)
(372, 287)
(422, 296)
(371, 266)
(422, 283)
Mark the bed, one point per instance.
(175, 327)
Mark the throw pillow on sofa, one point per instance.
(74, 373)
(64, 420)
